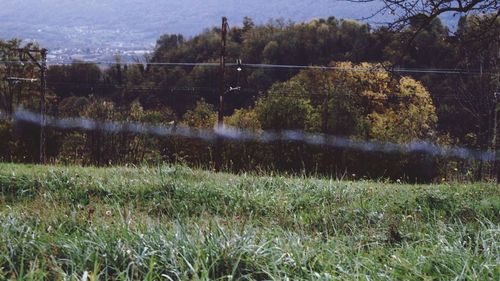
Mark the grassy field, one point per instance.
(174, 223)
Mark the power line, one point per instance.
(274, 66)
(197, 91)
(368, 69)
(213, 90)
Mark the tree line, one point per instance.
(360, 97)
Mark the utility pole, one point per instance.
(494, 144)
(43, 90)
(222, 71)
(10, 102)
(42, 65)
(222, 86)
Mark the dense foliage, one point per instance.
(359, 97)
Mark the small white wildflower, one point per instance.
(85, 276)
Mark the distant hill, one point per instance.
(138, 23)
(105, 23)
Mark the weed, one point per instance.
(174, 223)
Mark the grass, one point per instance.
(175, 223)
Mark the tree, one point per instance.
(10, 90)
(244, 119)
(6, 70)
(140, 148)
(286, 106)
(364, 101)
(478, 48)
(78, 79)
(430, 47)
(202, 116)
(197, 151)
(22, 143)
(167, 43)
(102, 146)
(411, 116)
(422, 13)
(244, 155)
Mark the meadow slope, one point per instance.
(175, 223)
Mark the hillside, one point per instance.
(115, 23)
(174, 223)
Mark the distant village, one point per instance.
(97, 55)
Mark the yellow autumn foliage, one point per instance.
(383, 105)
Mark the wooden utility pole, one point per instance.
(494, 141)
(222, 71)
(222, 86)
(43, 92)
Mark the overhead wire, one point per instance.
(254, 91)
(270, 66)
(245, 90)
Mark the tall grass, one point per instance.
(174, 223)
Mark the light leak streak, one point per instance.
(236, 134)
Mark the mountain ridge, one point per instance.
(112, 23)
(139, 23)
